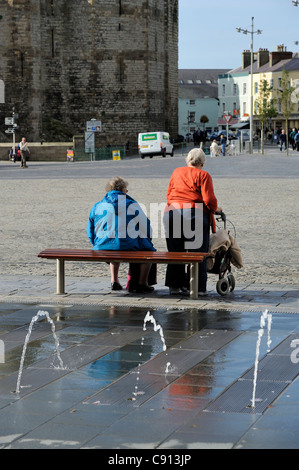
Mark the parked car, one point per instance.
(179, 139)
(246, 135)
(154, 143)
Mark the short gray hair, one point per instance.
(196, 157)
(116, 184)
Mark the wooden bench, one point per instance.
(159, 257)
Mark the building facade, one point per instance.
(198, 98)
(65, 62)
(234, 87)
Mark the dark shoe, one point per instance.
(144, 289)
(116, 286)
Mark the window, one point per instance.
(192, 102)
(190, 82)
(223, 108)
(279, 82)
(234, 89)
(198, 81)
(244, 88)
(255, 87)
(223, 90)
(244, 108)
(192, 116)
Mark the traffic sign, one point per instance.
(94, 126)
(89, 142)
(227, 117)
(10, 131)
(9, 121)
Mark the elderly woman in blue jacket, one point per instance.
(117, 222)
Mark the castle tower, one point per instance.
(65, 62)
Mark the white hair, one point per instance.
(196, 157)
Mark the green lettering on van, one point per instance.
(147, 137)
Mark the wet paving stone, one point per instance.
(117, 376)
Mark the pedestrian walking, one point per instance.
(283, 140)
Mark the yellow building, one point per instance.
(270, 66)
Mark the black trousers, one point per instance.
(176, 274)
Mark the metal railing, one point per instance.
(106, 153)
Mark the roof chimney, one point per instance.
(262, 57)
(280, 54)
(246, 59)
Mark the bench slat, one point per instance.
(125, 256)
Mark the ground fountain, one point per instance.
(265, 317)
(39, 314)
(149, 318)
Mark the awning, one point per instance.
(240, 126)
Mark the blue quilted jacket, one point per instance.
(117, 222)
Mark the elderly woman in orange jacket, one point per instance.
(188, 217)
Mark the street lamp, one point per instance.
(252, 32)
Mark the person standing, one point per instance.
(25, 152)
(223, 144)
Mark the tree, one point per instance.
(264, 106)
(287, 104)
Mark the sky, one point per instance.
(207, 30)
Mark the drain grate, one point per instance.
(237, 398)
(276, 369)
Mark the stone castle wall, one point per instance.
(65, 62)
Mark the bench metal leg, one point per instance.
(194, 280)
(60, 276)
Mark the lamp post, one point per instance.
(252, 32)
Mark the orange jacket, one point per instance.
(190, 185)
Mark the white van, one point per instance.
(154, 143)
